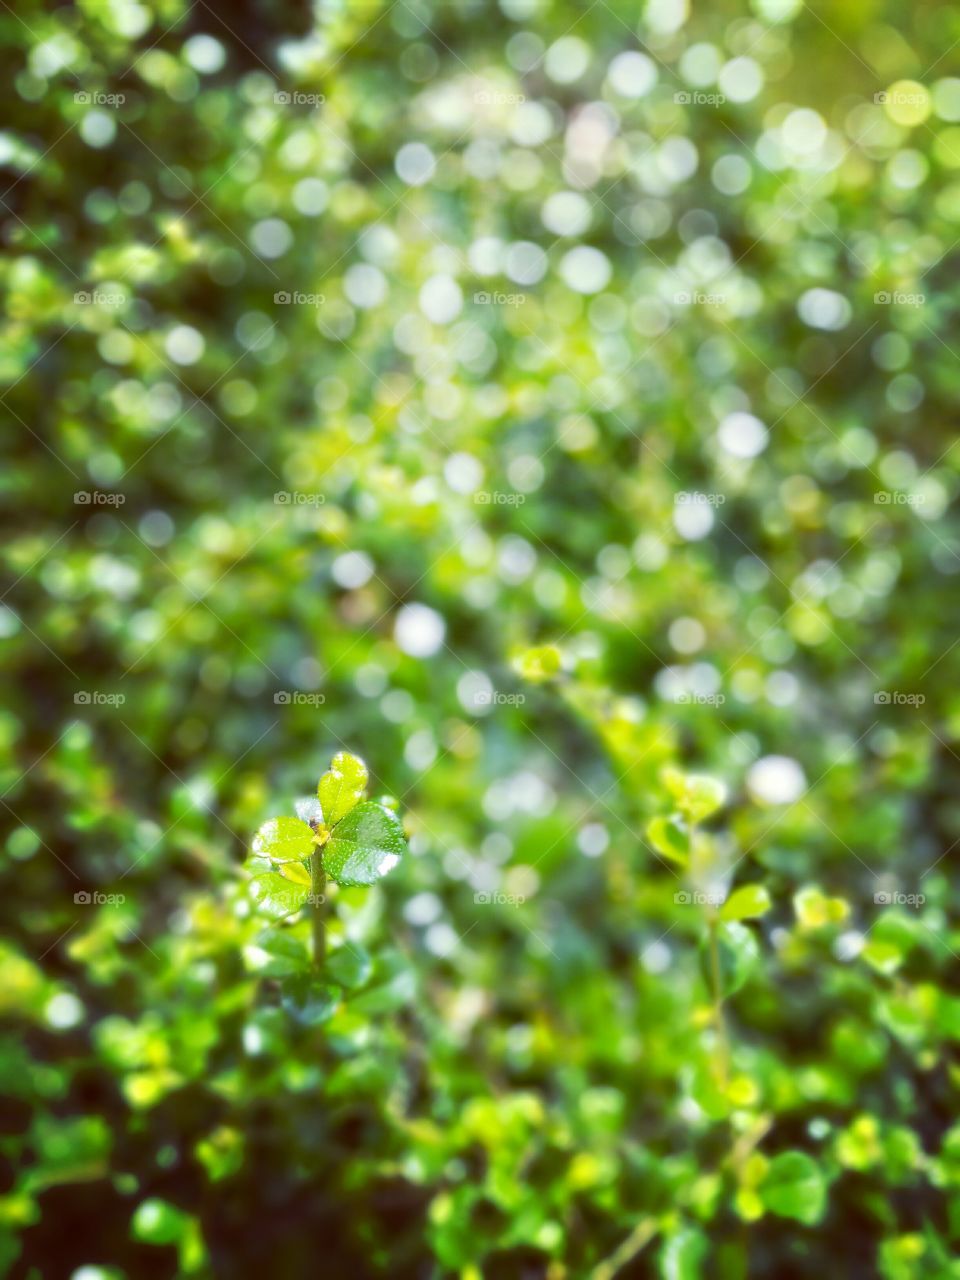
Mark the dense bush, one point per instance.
(552, 405)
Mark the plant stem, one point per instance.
(723, 1047)
(318, 885)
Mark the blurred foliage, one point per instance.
(552, 404)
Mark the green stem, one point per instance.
(723, 1047)
(318, 886)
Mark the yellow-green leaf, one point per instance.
(342, 787)
(296, 872)
(283, 840)
(670, 837)
(745, 903)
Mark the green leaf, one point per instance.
(365, 845)
(388, 996)
(283, 840)
(308, 999)
(737, 954)
(794, 1187)
(670, 837)
(683, 1254)
(278, 896)
(295, 872)
(696, 795)
(815, 910)
(158, 1222)
(349, 965)
(884, 956)
(342, 787)
(745, 903)
(540, 663)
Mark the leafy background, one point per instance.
(390, 342)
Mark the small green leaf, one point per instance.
(342, 787)
(278, 896)
(295, 872)
(349, 965)
(682, 1255)
(283, 840)
(670, 837)
(745, 903)
(696, 795)
(308, 999)
(884, 956)
(365, 845)
(815, 910)
(158, 1222)
(540, 663)
(737, 954)
(794, 1187)
(277, 953)
(388, 996)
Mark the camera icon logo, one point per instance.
(281, 698)
(883, 899)
(82, 699)
(481, 298)
(82, 97)
(82, 498)
(282, 498)
(683, 898)
(82, 898)
(881, 698)
(282, 99)
(282, 298)
(682, 98)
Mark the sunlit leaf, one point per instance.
(342, 787)
(365, 845)
(283, 840)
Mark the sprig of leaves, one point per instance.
(337, 834)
